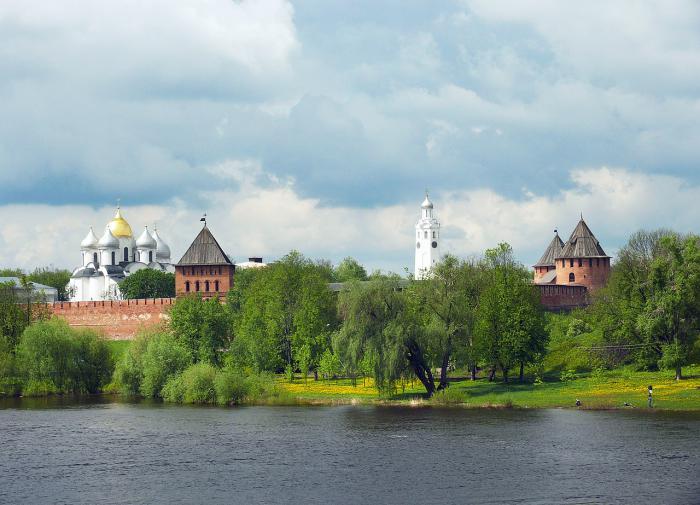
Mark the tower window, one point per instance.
(216, 286)
(563, 263)
(597, 262)
(433, 234)
(94, 258)
(150, 256)
(590, 262)
(425, 234)
(187, 286)
(126, 254)
(206, 286)
(114, 258)
(571, 262)
(580, 262)
(196, 286)
(572, 277)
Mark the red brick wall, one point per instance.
(203, 273)
(118, 320)
(558, 298)
(541, 272)
(593, 277)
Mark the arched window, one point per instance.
(150, 256)
(571, 262)
(425, 234)
(206, 286)
(94, 258)
(126, 254)
(114, 258)
(196, 286)
(187, 286)
(216, 286)
(572, 277)
(580, 262)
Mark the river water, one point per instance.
(133, 453)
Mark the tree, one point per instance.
(56, 278)
(510, 320)
(448, 300)
(12, 317)
(671, 315)
(203, 327)
(148, 283)
(380, 321)
(349, 269)
(284, 314)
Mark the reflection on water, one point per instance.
(99, 451)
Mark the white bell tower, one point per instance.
(427, 239)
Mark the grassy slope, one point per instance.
(610, 390)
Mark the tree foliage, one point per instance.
(203, 327)
(148, 283)
(350, 270)
(510, 321)
(283, 316)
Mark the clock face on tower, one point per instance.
(434, 244)
(417, 245)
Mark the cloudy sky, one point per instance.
(317, 125)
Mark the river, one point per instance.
(103, 451)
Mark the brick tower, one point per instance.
(545, 268)
(204, 268)
(582, 260)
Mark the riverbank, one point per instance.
(615, 389)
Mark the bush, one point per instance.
(151, 359)
(194, 385)
(567, 375)
(448, 396)
(230, 386)
(51, 357)
(164, 357)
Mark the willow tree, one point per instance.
(381, 324)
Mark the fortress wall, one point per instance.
(558, 298)
(117, 319)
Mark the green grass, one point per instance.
(605, 390)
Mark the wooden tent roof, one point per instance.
(582, 244)
(205, 250)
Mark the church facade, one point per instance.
(108, 260)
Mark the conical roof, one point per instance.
(90, 240)
(108, 241)
(162, 249)
(146, 241)
(582, 244)
(553, 250)
(205, 250)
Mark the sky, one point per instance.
(318, 126)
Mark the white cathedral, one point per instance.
(113, 257)
(427, 239)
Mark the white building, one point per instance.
(114, 256)
(427, 239)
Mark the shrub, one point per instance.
(230, 386)
(163, 358)
(149, 361)
(567, 375)
(193, 385)
(448, 396)
(51, 357)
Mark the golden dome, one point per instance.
(119, 227)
